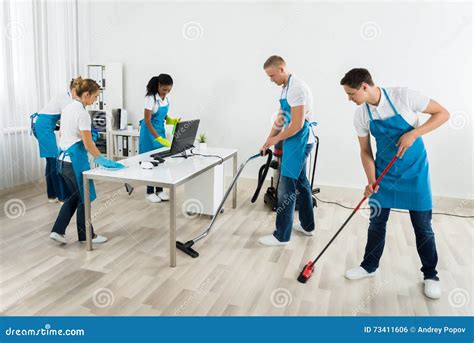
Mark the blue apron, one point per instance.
(43, 129)
(80, 163)
(407, 184)
(294, 146)
(147, 140)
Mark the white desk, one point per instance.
(171, 174)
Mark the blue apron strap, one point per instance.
(370, 112)
(311, 125)
(32, 119)
(390, 101)
(60, 160)
(287, 87)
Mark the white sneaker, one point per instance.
(52, 200)
(165, 195)
(153, 198)
(358, 273)
(270, 241)
(299, 228)
(57, 237)
(97, 239)
(432, 289)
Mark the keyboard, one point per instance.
(162, 154)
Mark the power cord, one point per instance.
(366, 208)
(194, 154)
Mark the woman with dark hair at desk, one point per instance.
(152, 126)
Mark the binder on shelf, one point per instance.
(101, 100)
(125, 146)
(136, 145)
(119, 146)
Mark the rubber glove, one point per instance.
(95, 135)
(163, 141)
(108, 164)
(172, 121)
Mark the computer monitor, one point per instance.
(183, 138)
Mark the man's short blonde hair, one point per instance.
(274, 61)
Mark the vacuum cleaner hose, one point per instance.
(187, 246)
(262, 174)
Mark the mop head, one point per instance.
(186, 248)
(306, 272)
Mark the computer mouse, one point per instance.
(146, 165)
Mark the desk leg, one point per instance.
(172, 226)
(234, 194)
(87, 214)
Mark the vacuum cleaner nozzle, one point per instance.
(306, 272)
(186, 248)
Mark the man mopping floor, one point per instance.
(391, 116)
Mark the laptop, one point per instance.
(183, 138)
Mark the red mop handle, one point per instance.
(378, 180)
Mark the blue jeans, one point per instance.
(55, 187)
(425, 241)
(72, 203)
(288, 191)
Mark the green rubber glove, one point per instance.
(163, 141)
(172, 121)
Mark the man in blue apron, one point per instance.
(292, 126)
(391, 116)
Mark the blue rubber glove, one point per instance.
(95, 135)
(107, 164)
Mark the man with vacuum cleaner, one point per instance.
(292, 126)
(391, 116)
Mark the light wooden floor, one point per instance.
(130, 275)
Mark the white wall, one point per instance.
(219, 77)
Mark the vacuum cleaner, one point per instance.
(271, 196)
(187, 247)
(309, 267)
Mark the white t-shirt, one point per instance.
(75, 119)
(299, 94)
(409, 104)
(153, 105)
(57, 104)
